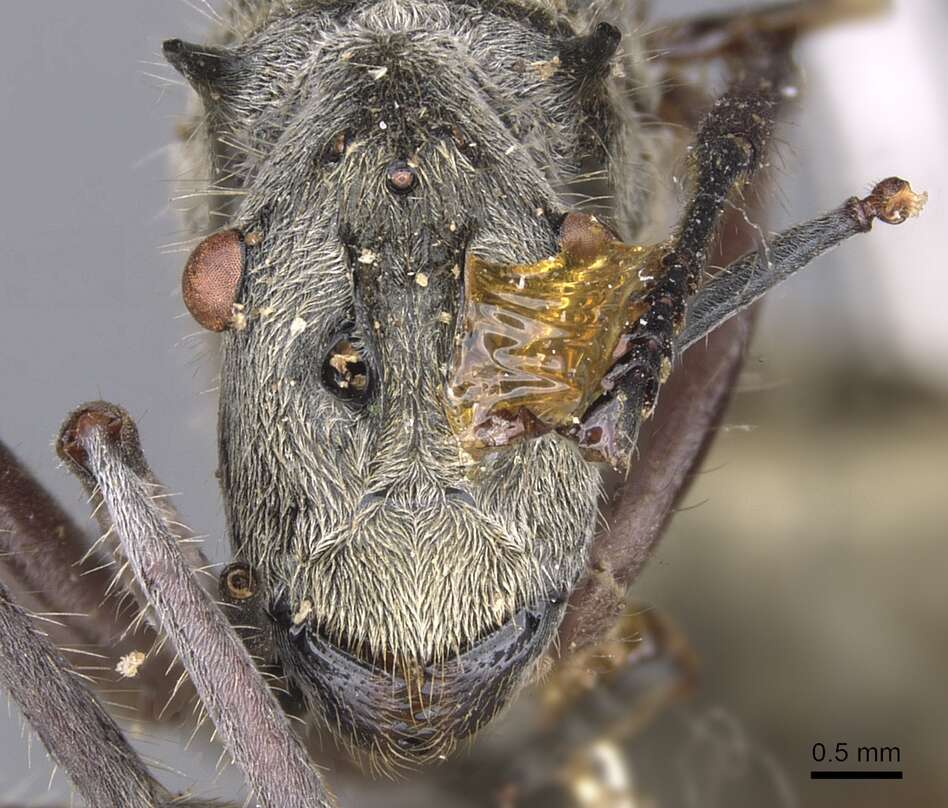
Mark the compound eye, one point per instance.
(212, 277)
(345, 372)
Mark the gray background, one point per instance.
(810, 577)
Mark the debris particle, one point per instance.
(546, 69)
(253, 238)
(378, 72)
(346, 369)
(304, 611)
(456, 271)
(129, 665)
(298, 326)
(238, 320)
(421, 279)
(367, 257)
(341, 361)
(383, 126)
(445, 318)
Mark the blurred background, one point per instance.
(808, 565)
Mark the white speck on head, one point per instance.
(298, 326)
(238, 320)
(304, 611)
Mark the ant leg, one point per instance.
(42, 550)
(79, 734)
(730, 145)
(668, 458)
(597, 700)
(746, 280)
(124, 581)
(670, 450)
(45, 557)
(100, 444)
(165, 693)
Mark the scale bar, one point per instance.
(855, 775)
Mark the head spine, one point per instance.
(590, 55)
(204, 67)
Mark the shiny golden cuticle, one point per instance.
(538, 338)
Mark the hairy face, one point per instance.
(411, 590)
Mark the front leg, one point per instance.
(100, 444)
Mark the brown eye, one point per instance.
(238, 582)
(345, 373)
(212, 277)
